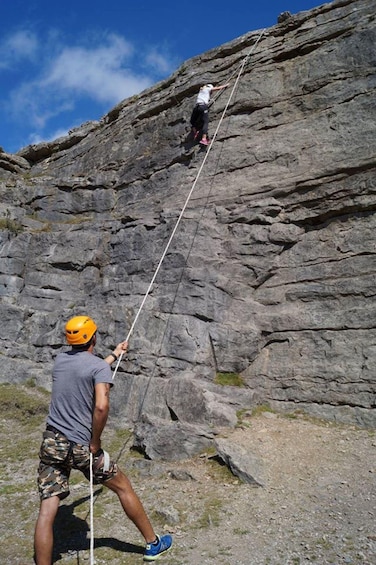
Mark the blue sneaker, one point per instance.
(154, 550)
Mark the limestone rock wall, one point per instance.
(271, 273)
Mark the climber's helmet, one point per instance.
(79, 330)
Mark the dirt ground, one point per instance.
(317, 503)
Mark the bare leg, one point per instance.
(131, 505)
(43, 537)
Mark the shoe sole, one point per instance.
(161, 554)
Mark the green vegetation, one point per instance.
(118, 442)
(242, 415)
(30, 383)
(229, 379)
(22, 404)
(211, 514)
(9, 489)
(25, 408)
(262, 408)
(10, 225)
(219, 471)
(25, 447)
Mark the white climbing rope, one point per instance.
(92, 562)
(187, 200)
(241, 66)
(91, 512)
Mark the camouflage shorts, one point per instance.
(58, 456)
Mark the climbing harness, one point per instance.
(186, 201)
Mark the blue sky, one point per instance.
(64, 63)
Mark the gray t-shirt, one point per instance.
(74, 376)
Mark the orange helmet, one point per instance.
(79, 330)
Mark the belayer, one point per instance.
(200, 113)
(78, 413)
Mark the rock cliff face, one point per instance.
(271, 273)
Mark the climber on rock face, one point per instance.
(200, 113)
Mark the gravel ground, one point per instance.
(317, 505)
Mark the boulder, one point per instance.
(244, 465)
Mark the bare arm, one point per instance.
(121, 348)
(100, 414)
(220, 87)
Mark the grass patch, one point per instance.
(22, 404)
(261, 409)
(9, 489)
(211, 514)
(243, 415)
(30, 383)
(229, 379)
(117, 442)
(219, 471)
(25, 447)
(10, 225)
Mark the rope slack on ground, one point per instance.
(186, 201)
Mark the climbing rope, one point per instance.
(92, 560)
(91, 511)
(207, 153)
(186, 201)
(242, 67)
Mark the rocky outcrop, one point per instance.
(241, 462)
(271, 274)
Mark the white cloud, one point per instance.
(159, 61)
(35, 137)
(99, 73)
(22, 44)
(70, 78)
(32, 103)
